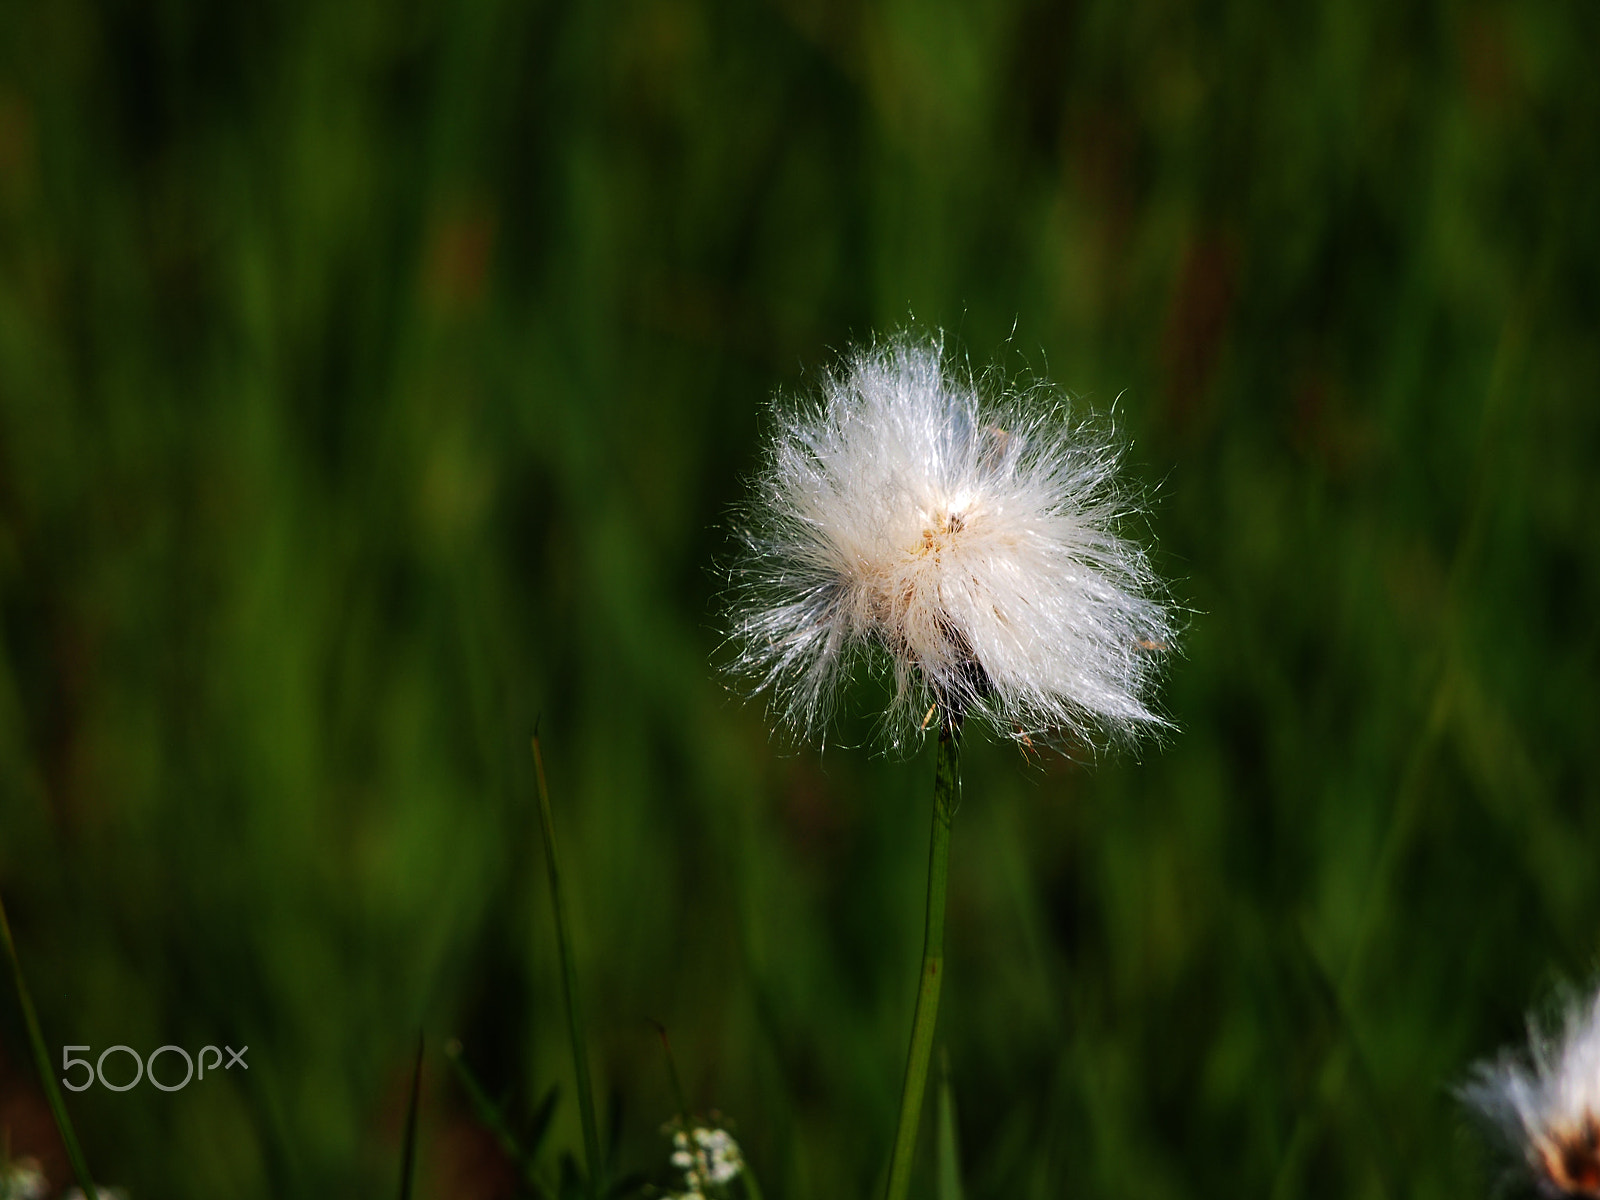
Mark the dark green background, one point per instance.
(376, 379)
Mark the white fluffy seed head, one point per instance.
(1546, 1102)
(972, 544)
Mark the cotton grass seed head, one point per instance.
(972, 544)
(1546, 1103)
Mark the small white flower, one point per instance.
(709, 1157)
(720, 1155)
(1547, 1103)
(973, 543)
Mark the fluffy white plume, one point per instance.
(1547, 1103)
(971, 543)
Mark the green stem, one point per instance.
(949, 1159)
(408, 1154)
(678, 1094)
(41, 1060)
(569, 978)
(491, 1116)
(946, 773)
(752, 1189)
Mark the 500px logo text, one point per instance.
(145, 1068)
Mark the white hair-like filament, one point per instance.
(973, 545)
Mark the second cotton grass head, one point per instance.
(1545, 1102)
(971, 543)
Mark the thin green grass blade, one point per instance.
(543, 1114)
(752, 1189)
(573, 1185)
(408, 1156)
(949, 1181)
(678, 1094)
(569, 979)
(41, 1060)
(495, 1121)
(924, 1019)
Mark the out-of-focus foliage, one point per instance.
(375, 381)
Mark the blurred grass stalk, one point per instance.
(408, 1153)
(949, 1179)
(495, 1121)
(678, 1094)
(569, 981)
(41, 1060)
(946, 772)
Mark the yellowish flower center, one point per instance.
(937, 533)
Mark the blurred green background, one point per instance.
(376, 380)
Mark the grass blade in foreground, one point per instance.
(569, 981)
(41, 1060)
(926, 1016)
(489, 1113)
(949, 1162)
(678, 1094)
(408, 1156)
